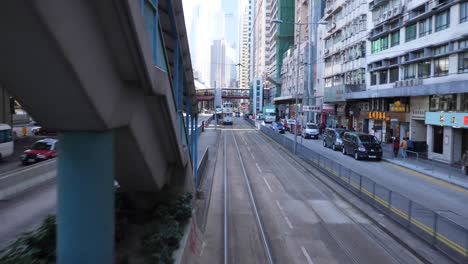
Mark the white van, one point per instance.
(6, 141)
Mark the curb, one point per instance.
(428, 175)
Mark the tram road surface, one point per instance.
(303, 221)
(244, 242)
(24, 212)
(446, 199)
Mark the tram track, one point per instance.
(314, 179)
(234, 154)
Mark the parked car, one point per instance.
(39, 130)
(361, 145)
(290, 123)
(311, 130)
(278, 127)
(43, 149)
(333, 137)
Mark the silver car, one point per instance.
(311, 130)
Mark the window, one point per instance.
(425, 27)
(441, 49)
(438, 138)
(395, 38)
(410, 32)
(463, 44)
(441, 66)
(394, 74)
(463, 12)
(383, 77)
(384, 43)
(442, 21)
(5, 136)
(373, 78)
(424, 69)
(410, 71)
(375, 46)
(463, 62)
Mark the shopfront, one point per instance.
(386, 124)
(447, 135)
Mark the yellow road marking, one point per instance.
(421, 175)
(453, 245)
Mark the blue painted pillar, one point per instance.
(85, 222)
(195, 156)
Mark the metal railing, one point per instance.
(441, 232)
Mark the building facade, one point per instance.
(244, 47)
(217, 64)
(418, 74)
(343, 55)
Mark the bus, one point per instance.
(6, 141)
(228, 113)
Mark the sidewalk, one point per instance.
(432, 168)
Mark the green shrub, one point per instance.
(36, 247)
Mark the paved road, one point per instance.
(25, 212)
(20, 145)
(448, 200)
(303, 222)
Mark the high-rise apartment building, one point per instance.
(342, 51)
(418, 74)
(217, 64)
(244, 47)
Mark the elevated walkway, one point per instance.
(114, 77)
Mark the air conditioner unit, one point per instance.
(433, 4)
(327, 51)
(395, 11)
(384, 16)
(396, 84)
(333, 25)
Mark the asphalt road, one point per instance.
(445, 199)
(302, 220)
(26, 211)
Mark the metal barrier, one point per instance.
(441, 232)
(201, 166)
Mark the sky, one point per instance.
(205, 22)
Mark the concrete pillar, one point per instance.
(85, 220)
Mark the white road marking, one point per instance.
(284, 215)
(267, 184)
(249, 149)
(304, 251)
(258, 168)
(252, 155)
(288, 222)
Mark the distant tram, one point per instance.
(228, 113)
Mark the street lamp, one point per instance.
(296, 107)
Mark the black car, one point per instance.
(333, 138)
(361, 145)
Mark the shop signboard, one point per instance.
(397, 107)
(456, 120)
(377, 115)
(328, 108)
(334, 94)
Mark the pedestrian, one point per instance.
(403, 147)
(410, 144)
(465, 162)
(396, 146)
(203, 126)
(321, 128)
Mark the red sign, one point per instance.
(465, 120)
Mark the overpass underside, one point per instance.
(115, 78)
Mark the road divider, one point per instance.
(19, 180)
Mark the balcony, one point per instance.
(376, 3)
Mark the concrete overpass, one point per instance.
(115, 78)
